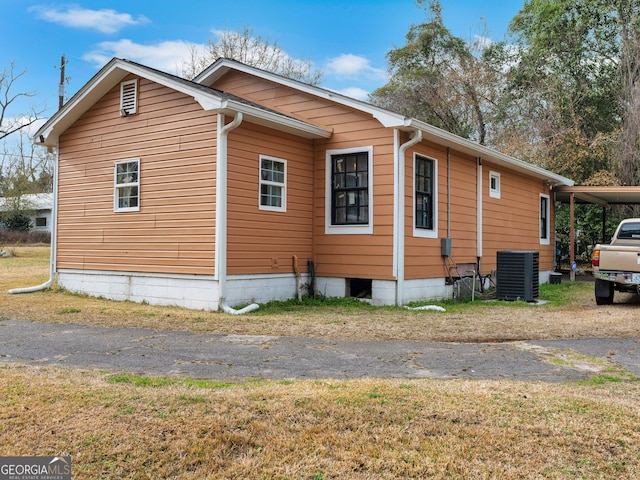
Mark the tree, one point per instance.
(441, 79)
(24, 168)
(11, 125)
(577, 70)
(252, 50)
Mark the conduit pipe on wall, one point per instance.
(54, 243)
(221, 213)
(400, 175)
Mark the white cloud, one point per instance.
(104, 20)
(355, 92)
(353, 66)
(166, 56)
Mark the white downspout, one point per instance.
(479, 206)
(54, 243)
(400, 214)
(221, 212)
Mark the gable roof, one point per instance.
(388, 119)
(208, 98)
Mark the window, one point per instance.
(128, 97)
(127, 186)
(494, 184)
(544, 220)
(273, 176)
(349, 198)
(425, 212)
(41, 222)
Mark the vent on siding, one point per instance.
(517, 276)
(128, 97)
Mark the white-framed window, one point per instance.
(494, 184)
(349, 191)
(128, 97)
(425, 196)
(545, 220)
(127, 185)
(273, 184)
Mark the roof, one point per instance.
(388, 119)
(200, 88)
(625, 195)
(209, 98)
(33, 201)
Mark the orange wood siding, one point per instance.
(263, 241)
(512, 222)
(423, 255)
(173, 232)
(336, 255)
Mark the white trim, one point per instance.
(494, 192)
(544, 241)
(424, 232)
(348, 229)
(117, 186)
(281, 185)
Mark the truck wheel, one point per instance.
(604, 292)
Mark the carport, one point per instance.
(603, 196)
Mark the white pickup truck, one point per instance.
(617, 266)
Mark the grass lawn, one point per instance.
(136, 427)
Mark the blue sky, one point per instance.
(347, 40)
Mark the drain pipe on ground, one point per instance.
(221, 214)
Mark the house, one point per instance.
(243, 186)
(39, 206)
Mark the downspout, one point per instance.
(400, 213)
(221, 212)
(54, 243)
(479, 218)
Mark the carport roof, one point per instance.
(599, 195)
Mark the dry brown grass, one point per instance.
(485, 322)
(382, 429)
(128, 427)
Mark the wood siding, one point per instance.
(512, 222)
(423, 255)
(335, 255)
(173, 232)
(262, 241)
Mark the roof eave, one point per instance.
(117, 69)
(474, 149)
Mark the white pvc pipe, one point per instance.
(233, 311)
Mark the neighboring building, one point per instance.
(40, 205)
(234, 187)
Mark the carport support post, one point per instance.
(572, 238)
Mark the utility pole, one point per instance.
(63, 62)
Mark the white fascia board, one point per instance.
(276, 121)
(474, 149)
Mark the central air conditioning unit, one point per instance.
(517, 275)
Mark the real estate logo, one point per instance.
(35, 468)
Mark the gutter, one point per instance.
(54, 243)
(399, 232)
(221, 213)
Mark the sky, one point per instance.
(346, 40)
